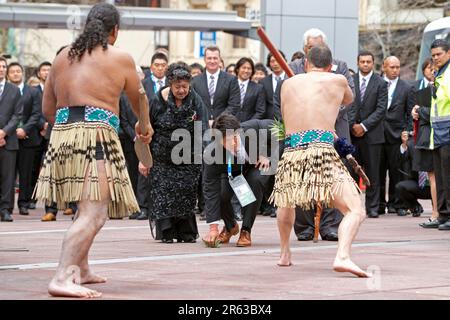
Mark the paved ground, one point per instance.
(409, 263)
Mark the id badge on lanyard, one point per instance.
(241, 188)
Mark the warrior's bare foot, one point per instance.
(90, 278)
(69, 289)
(346, 265)
(285, 260)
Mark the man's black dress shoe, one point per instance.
(381, 210)
(134, 216)
(402, 212)
(372, 214)
(391, 209)
(142, 216)
(6, 217)
(417, 211)
(167, 240)
(444, 226)
(23, 211)
(332, 236)
(305, 237)
(32, 206)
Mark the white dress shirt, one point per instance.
(391, 86)
(274, 79)
(367, 78)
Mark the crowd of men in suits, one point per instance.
(378, 123)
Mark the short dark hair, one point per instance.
(440, 43)
(261, 67)
(4, 60)
(178, 71)
(229, 66)
(226, 122)
(196, 65)
(14, 64)
(159, 55)
(44, 64)
(212, 48)
(426, 63)
(270, 55)
(241, 62)
(320, 56)
(366, 53)
(297, 55)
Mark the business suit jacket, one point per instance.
(149, 87)
(271, 112)
(31, 115)
(372, 111)
(227, 96)
(127, 122)
(254, 104)
(214, 173)
(398, 116)
(11, 107)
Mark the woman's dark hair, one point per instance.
(178, 71)
(426, 63)
(101, 20)
(261, 67)
(297, 55)
(241, 62)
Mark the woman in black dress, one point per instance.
(174, 112)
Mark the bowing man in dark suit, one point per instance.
(270, 84)
(234, 155)
(28, 135)
(218, 89)
(253, 100)
(11, 107)
(401, 100)
(366, 117)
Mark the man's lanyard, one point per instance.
(230, 176)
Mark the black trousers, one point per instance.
(389, 163)
(441, 162)
(132, 168)
(25, 165)
(38, 158)
(7, 179)
(143, 192)
(257, 183)
(408, 191)
(368, 156)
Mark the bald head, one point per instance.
(391, 67)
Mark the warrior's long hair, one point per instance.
(100, 21)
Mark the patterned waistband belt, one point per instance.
(87, 114)
(304, 138)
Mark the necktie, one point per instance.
(211, 89)
(362, 89)
(389, 83)
(1, 89)
(423, 177)
(278, 79)
(242, 93)
(160, 84)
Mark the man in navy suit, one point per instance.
(28, 135)
(401, 97)
(11, 106)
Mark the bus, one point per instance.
(438, 29)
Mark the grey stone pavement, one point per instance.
(408, 262)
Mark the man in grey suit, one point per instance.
(331, 217)
(11, 107)
(218, 89)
